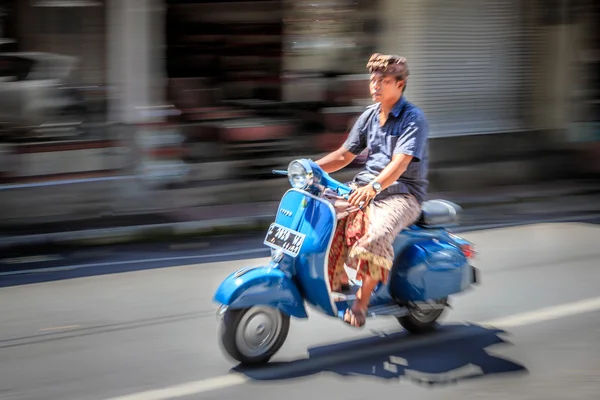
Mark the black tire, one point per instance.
(231, 323)
(417, 322)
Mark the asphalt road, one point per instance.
(71, 330)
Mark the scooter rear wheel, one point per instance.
(421, 321)
(253, 335)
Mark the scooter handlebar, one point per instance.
(340, 188)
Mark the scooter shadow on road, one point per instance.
(454, 353)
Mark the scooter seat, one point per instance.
(439, 214)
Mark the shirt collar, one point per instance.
(398, 107)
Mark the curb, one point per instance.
(214, 227)
(156, 232)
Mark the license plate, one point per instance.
(280, 237)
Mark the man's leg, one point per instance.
(357, 314)
(339, 250)
(374, 253)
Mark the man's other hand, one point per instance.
(362, 195)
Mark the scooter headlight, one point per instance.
(300, 177)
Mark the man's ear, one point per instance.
(400, 83)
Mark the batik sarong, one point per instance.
(364, 238)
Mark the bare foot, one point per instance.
(355, 316)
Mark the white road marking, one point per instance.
(545, 314)
(140, 261)
(188, 389)
(234, 379)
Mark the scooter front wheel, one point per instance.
(253, 335)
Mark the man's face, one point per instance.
(385, 89)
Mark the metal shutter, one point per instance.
(469, 65)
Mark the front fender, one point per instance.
(261, 286)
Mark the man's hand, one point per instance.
(362, 195)
(388, 176)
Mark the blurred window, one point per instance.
(17, 67)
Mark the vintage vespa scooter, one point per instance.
(256, 303)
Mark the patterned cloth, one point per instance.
(364, 239)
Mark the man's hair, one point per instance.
(391, 65)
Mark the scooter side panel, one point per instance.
(261, 286)
(309, 215)
(429, 268)
(315, 218)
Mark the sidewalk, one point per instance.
(489, 206)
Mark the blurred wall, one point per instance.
(557, 30)
(74, 31)
(480, 69)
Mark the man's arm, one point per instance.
(389, 175)
(410, 145)
(393, 170)
(336, 160)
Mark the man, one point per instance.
(388, 192)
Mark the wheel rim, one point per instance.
(258, 331)
(427, 316)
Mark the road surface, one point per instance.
(75, 327)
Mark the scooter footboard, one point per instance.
(430, 270)
(264, 286)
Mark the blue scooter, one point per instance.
(256, 303)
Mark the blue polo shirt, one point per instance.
(405, 132)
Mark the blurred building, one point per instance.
(477, 66)
(500, 81)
